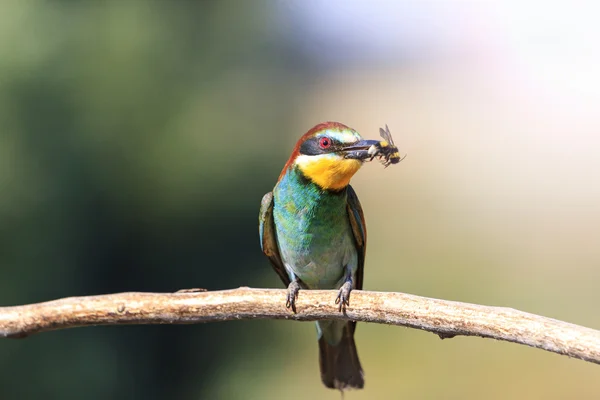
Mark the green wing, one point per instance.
(268, 237)
(359, 229)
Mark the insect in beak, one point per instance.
(359, 150)
(384, 150)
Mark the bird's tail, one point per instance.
(340, 367)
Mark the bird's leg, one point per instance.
(292, 294)
(343, 297)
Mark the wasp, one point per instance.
(386, 150)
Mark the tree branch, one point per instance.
(445, 318)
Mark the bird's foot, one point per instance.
(343, 297)
(292, 295)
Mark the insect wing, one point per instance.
(386, 135)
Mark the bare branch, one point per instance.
(445, 318)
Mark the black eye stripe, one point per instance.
(311, 147)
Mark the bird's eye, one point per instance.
(325, 142)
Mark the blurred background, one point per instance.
(137, 139)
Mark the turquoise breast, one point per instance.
(313, 232)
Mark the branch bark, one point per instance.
(445, 318)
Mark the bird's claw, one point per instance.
(292, 295)
(343, 297)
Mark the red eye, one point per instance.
(324, 142)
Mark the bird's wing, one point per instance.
(359, 229)
(268, 237)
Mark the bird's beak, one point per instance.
(359, 150)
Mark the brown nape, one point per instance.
(340, 367)
(311, 132)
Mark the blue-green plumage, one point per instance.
(314, 235)
(315, 238)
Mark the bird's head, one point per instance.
(329, 155)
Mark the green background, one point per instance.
(136, 142)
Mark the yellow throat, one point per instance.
(329, 171)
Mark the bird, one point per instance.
(312, 229)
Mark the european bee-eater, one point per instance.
(313, 231)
